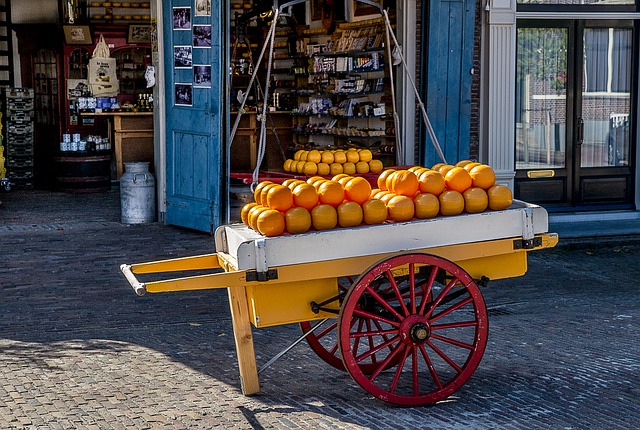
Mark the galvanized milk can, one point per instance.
(137, 194)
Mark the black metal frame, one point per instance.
(571, 8)
(572, 172)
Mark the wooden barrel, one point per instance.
(83, 173)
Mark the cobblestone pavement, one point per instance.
(79, 350)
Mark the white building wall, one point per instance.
(500, 91)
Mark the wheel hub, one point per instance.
(419, 332)
(415, 330)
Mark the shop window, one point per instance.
(606, 52)
(78, 63)
(131, 64)
(45, 68)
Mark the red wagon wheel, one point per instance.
(324, 341)
(427, 342)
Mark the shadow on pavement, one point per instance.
(563, 346)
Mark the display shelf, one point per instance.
(346, 53)
(344, 75)
(77, 63)
(19, 133)
(335, 115)
(131, 65)
(343, 94)
(344, 99)
(345, 135)
(120, 12)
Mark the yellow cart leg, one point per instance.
(244, 340)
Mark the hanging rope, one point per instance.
(243, 39)
(262, 144)
(432, 134)
(246, 96)
(396, 122)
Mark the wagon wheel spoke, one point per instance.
(398, 372)
(376, 317)
(373, 350)
(383, 332)
(441, 297)
(325, 342)
(452, 341)
(452, 309)
(412, 287)
(397, 292)
(432, 370)
(445, 357)
(423, 349)
(344, 286)
(389, 361)
(405, 290)
(356, 343)
(429, 288)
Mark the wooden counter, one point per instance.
(132, 137)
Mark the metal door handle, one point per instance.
(580, 131)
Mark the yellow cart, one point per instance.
(398, 305)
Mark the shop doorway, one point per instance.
(575, 109)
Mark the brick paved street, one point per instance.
(78, 349)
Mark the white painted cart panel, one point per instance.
(252, 251)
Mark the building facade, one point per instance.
(546, 92)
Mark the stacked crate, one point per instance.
(19, 129)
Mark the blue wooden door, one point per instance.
(448, 77)
(193, 84)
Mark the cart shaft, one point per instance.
(496, 259)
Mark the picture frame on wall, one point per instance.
(203, 7)
(77, 35)
(202, 36)
(182, 57)
(139, 33)
(315, 10)
(183, 94)
(182, 18)
(77, 88)
(202, 76)
(358, 11)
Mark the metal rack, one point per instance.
(19, 134)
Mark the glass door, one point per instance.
(544, 120)
(574, 104)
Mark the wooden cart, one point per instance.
(411, 322)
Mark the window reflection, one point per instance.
(606, 97)
(541, 98)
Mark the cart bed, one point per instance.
(252, 251)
